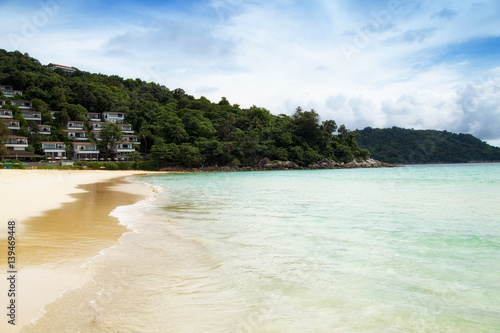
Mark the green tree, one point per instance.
(4, 132)
(110, 134)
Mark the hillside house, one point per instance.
(76, 135)
(13, 142)
(23, 105)
(67, 69)
(75, 125)
(12, 124)
(8, 91)
(126, 128)
(93, 116)
(85, 151)
(54, 149)
(5, 113)
(33, 116)
(113, 117)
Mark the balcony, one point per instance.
(16, 142)
(75, 125)
(4, 113)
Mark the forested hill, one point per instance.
(174, 128)
(408, 146)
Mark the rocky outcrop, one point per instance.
(266, 164)
(368, 163)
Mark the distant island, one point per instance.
(409, 146)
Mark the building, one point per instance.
(67, 69)
(54, 149)
(75, 125)
(113, 117)
(131, 138)
(12, 124)
(5, 113)
(122, 149)
(23, 105)
(2, 102)
(16, 142)
(85, 151)
(8, 91)
(44, 129)
(97, 126)
(76, 135)
(33, 116)
(126, 128)
(93, 116)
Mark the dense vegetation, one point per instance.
(408, 146)
(175, 128)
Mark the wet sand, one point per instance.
(54, 244)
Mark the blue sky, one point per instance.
(409, 63)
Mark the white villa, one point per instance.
(23, 105)
(54, 149)
(8, 91)
(113, 117)
(126, 128)
(78, 135)
(67, 69)
(12, 124)
(85, 151)
(16, 142)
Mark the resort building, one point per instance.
(23, 105)
(75, 125)
(54, 149)
(122, 149)
(131, 138)
(113, 117)
(12, 125)
(2, 102)
(16, 142)
(5, 113)
(126, 128)
(93, 116)
(76, 135)
(96, 126)
(85, 151)
(67, 69)
(8, 91)
(33, 116)
(44, 129)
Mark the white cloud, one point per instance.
(283, 54)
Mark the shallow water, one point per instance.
(411, 249)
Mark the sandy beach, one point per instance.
(62, 220)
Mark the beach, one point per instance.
(61, 221)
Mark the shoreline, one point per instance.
(62, 221)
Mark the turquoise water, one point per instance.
(412, 249)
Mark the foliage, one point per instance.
(173, 127)
(408, 146)
(4, 132)
(110, 134)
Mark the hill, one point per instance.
(174, 128)
(408, 146)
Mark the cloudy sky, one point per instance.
(423, 64)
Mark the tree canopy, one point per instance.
(408, 146)
(175, 128)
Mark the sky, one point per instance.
(422, 64)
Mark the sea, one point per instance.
(407, 249)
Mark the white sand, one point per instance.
(28, 193)
(25, 194)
